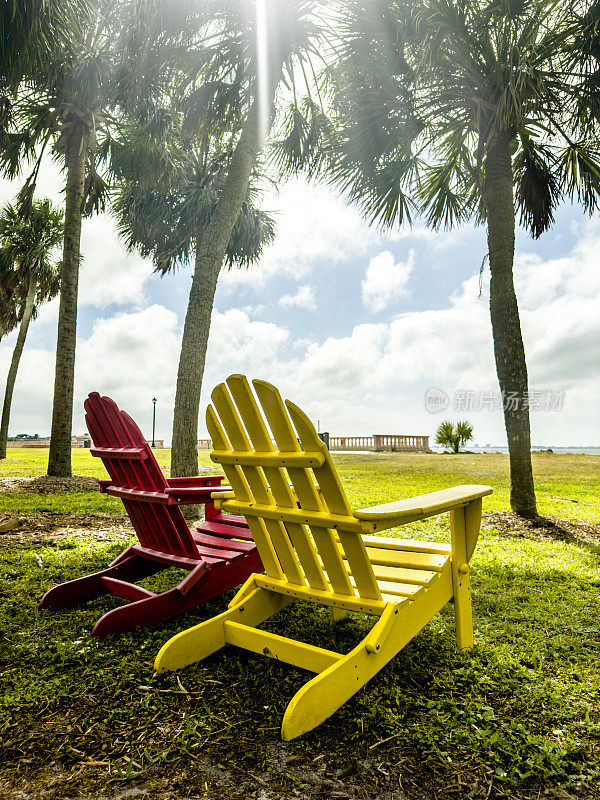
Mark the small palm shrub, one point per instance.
(454, 436)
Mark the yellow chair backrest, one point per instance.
(286, 486)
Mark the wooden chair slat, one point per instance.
(410, 545)
(274, 475)
(225, 543)
(326, 476)
(307, 495)
(392, 587)
(240, 486)
(336, 502)
(274, 411)
(236, 428)
(419, 577)
(406, 558)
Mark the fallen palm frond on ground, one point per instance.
(517, 717)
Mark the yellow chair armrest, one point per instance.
(424, 505)
(216, 497)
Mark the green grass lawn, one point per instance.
(369, 478)
(519, 716)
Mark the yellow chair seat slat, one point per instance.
(410, 545)
(300, 654)
(329, 598)
(418, 577)
(406, 559)
(410, 590)
(395, 599)
(315, 548)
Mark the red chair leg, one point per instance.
(166, 605)
(73, 592)
(89, 587)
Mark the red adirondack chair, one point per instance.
(218, 555)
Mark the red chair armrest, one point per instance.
(104, 483)
(188, 495)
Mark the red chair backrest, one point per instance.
(131, 465)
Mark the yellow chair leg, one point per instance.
(195, 644)
(324, 694)
(460, 579)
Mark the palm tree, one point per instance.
(28, 270)
(92, 66)
(234, 87)
(455, 436)
(466, 109)
(169, 180)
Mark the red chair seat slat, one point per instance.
(223, 555)
(219, 526)
(223, 542)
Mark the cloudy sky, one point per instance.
(352, 324)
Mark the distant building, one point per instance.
(85, 440)
(29, 442)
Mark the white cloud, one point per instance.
(304, 298)
(238, 343)
(314, 226)
(385, 280)
(108, 274)
(129, 356)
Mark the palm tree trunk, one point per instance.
(506, 327)
(14, 364)
(59, 461)
(210, 254)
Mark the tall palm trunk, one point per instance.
(14, 364)
(59, 462)
(210, 255)
(506, 327)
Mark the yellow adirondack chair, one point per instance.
(314, 547)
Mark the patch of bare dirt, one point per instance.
(587, 533)
(25, 530)
(35, 529)
(215, 780)
(45, 484)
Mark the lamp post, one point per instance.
(153, 418)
